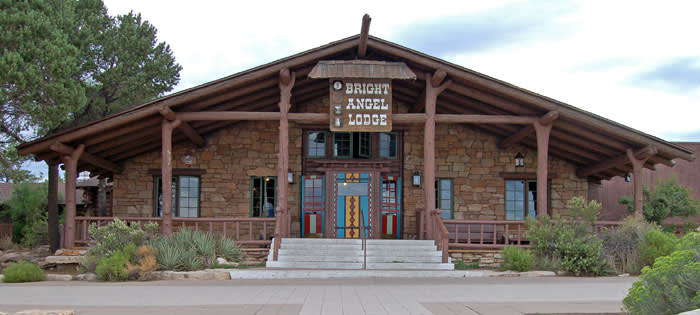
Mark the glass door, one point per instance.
(352, 204)
(391, 207)
(312, 205)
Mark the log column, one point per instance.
(286, 82)
(52, 205)
(70, 161)
(638, 161)
(433, 88)
(167, 174)
(542, 131)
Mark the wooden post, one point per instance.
(542, 131)
(102, 197)
(167, 174)
(286, 82)
(432, 90)
(71, 164)
(52, 205)
(637, 166)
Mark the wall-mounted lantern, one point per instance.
(628, 177)
(519, 160)
(416, 179)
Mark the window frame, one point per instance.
(157, 180)
(368, 154)
(526, 207)
(333, 149)
(325, 144)
(438, 200)
(396, 146)
(274, 204)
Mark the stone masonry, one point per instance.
(231, 156)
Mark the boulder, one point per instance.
(538, 273)
(59, 260)
(58, 277)
(89, 276)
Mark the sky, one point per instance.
(635, 62)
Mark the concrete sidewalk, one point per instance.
(338, 296)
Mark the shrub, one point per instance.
(22, 271)
(36, 233)
(144, 260)
(117, 235)
(26, 206)
(690, 241)
(193, 250)
(461, 265)
(621, 245)
(113, 267)
(656, 244)
(517, 259)
(571, 244)
(6, 242)
(671, 286)
(667, 200)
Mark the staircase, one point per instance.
(319, 253)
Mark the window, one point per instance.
(444, 197)
(364, 144)
(342, 144)
(263, 196)
(387, 145)
(316, 142)
(521, 199)
(185, 196)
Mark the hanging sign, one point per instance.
(360, 105)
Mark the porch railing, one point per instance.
(442, 235)
(487, 234)
(243, 231)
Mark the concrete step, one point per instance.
(320, 241)
(314, 265)
(327, 252)
(404, 259)
(400, 252)
(402, 247)
(400, 242)
(321, 258)
(410, 266)
(321, 247)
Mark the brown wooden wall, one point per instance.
(687, 173)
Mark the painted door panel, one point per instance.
(391, 207)
(352, 204)
(312, 205)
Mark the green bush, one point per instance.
(569, 244)
(26, 207)
(113, 267)
(37, 233)
(117, 235)
(621, 245)
(188, 250)
(667, 200)
(22, 271)
(690, 241)
(461, 265)
(517, 259)
(671, 286)
(656, 244)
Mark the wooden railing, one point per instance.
(5, 230)
(243, 231)
(487, 234)
(442, 235)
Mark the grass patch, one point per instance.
(461, 265)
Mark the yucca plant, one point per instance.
(169, 255)
(227, 249)
(191, 260)
(205, 245)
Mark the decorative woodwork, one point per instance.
(364, 34)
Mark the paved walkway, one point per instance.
(339, 296)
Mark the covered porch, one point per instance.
(181, 127)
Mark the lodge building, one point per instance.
(280, 150)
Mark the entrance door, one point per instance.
(353, 203)
(391, 207)
(312, 205)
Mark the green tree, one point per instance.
(667, 200)
(66, 62)
(26, 208)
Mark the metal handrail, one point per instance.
(363, 236)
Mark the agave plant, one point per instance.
(227, 249)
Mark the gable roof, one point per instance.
(578, 136)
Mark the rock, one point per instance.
(1, 277)
(221, 261)
(538, 273)
(218, 275)
(624, 275)
(58, 277)
(59, 252)
(562, 273)
(70, 252)
(89, 276)
(46, 312)
(63, 259)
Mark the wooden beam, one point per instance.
(637, 160)
(542, 132)
(435, 80)
(364, 34)
(70, 161)
(282, 212)
(438, 77)
(167, 174)
(616, 161)
(526, 131)
(484, 119)
(189, 132)
(87, 157)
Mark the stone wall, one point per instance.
(231, 156)
(484, 258)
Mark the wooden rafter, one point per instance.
(620, 160)
(87, 157)
(364, 34)
(528, 130)
(186, 129)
